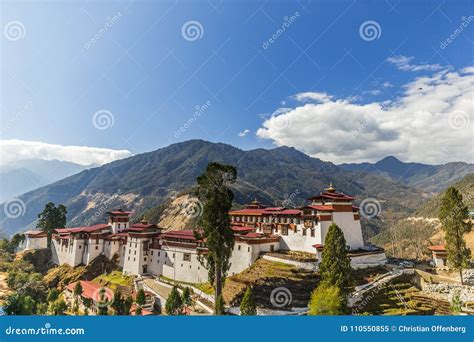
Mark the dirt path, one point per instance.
(4, 290)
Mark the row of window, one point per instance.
(266, 219)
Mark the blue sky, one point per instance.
(134, 63)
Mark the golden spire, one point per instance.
(331, 189)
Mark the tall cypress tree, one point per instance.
(215, 194)
(454, 218)
(335, 268)
(174, 303)
(248, 306)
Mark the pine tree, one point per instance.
(53, 295)
(215, 194)
(51, 218)
(127, 305)
(138, 311)
(141, 299)
(117, 303)
(220, 305)
(248, 306)
(335, 267)
(186, 297)
(174, 304)
(326, 300)
(454, 218)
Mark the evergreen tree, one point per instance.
(141, 299)
(248, 306)
(103, 310)
(58, 307)
(326, 300)
(53, 295)
(51, 218)
(127, 305)
(335, 267)
(186, 297)
(214, 192)
(138, 311)
(174, 304)
(117, 304)
(220, 305)
(454, 218)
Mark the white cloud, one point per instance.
(403, 63)
(431, 122)
(313, 96)
(244, 133)
(387, 84)
(13, 150)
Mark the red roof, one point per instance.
(82, 229)
(137, 227)
(266, 211)
(90, 290)
(437, 248)
(318, 246)
(242, 229)
(321, 207)
(332, 195)
(35, 233)
(120, 212)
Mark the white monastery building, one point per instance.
(144, 248)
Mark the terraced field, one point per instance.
(400, 298)
(266, 276)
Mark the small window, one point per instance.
(159, 253)
(187, 257)
(135, 252)
(238, 248)
(134, 259)
(304, 231)
(80, 246)
(248, 249)
(312, 232)
(151, 252)
(96, 247)
(144, 259)
(272, 248)
(128, 258)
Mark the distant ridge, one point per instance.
(431, 178)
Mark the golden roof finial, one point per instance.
(331, 188)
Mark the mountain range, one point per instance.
(432, 178)
(147, 181)
(29, 174)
